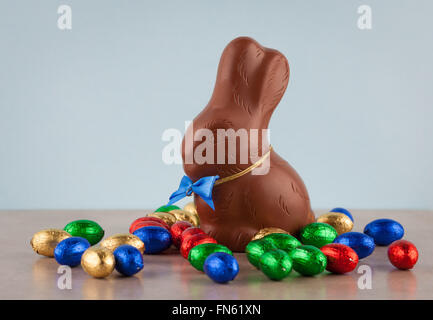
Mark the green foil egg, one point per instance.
(167, 208)
(87, 229)
(283, 241)
(276, 264)
(256, 248)
(198, 254)
(318, 234)
(308, 260)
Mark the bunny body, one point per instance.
(250, 83)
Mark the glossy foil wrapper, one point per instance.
(276, 264)
(189, 232)
(339, 221)
(192, 241)
(318, 234)
(283, 241)
(221, 267)
(134, 224)
(147, 224)
(340, 258)
(176, 231)
(86, 229)
(199, 253)
(256, 248)
(403, 254)
(308, 260)
(155, 239)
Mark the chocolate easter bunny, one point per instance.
(251, 81)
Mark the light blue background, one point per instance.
(82, 111)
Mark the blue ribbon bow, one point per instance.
(202, 187)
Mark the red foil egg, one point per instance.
(176, 231)
(146, 224)
(192, 241)
(133, 227)
(189, 232)
(403, 254)
(341, 258)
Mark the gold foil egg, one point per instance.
(179, 214)
(168, 217)
(111, 243)
(266, 231)
(193, 218)
(339, 221)
(45, 241)
(191, 210)
(190, 207)
(182, 215)
(98, 262)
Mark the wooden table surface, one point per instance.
(26, 275)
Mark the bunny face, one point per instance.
(251, 81)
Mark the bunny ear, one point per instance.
(275, 81)
(250, 76)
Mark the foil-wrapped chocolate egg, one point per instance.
(179, 214)
(111, 243)
(167, 217)
(308, 260)
(198, 254)
(189, 232)
(167, 208)
(317, 234)
(265, 231)
(403, 254)
(192, 217)
(147, 224)
(276, 264)
(340, 258)
(339, 221)
(190, 207)
(45, 241)
(256, 248)
(221, 267)
(384, 231)
(134, 224)
(182, 215)
(129, 260)
(194, 240)
(176, 231)
(155, 239)
(344, 211)
(360, 242)
(86, 229)
(70, 250)
(192, 213)
(283, 241)
(98, 262)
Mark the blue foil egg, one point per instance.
(129, 260)
(344, 211)
(221, 267)
(361, 243)
(155, 239)
(69, 251)
(384, 231)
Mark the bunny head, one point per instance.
(251, 81)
